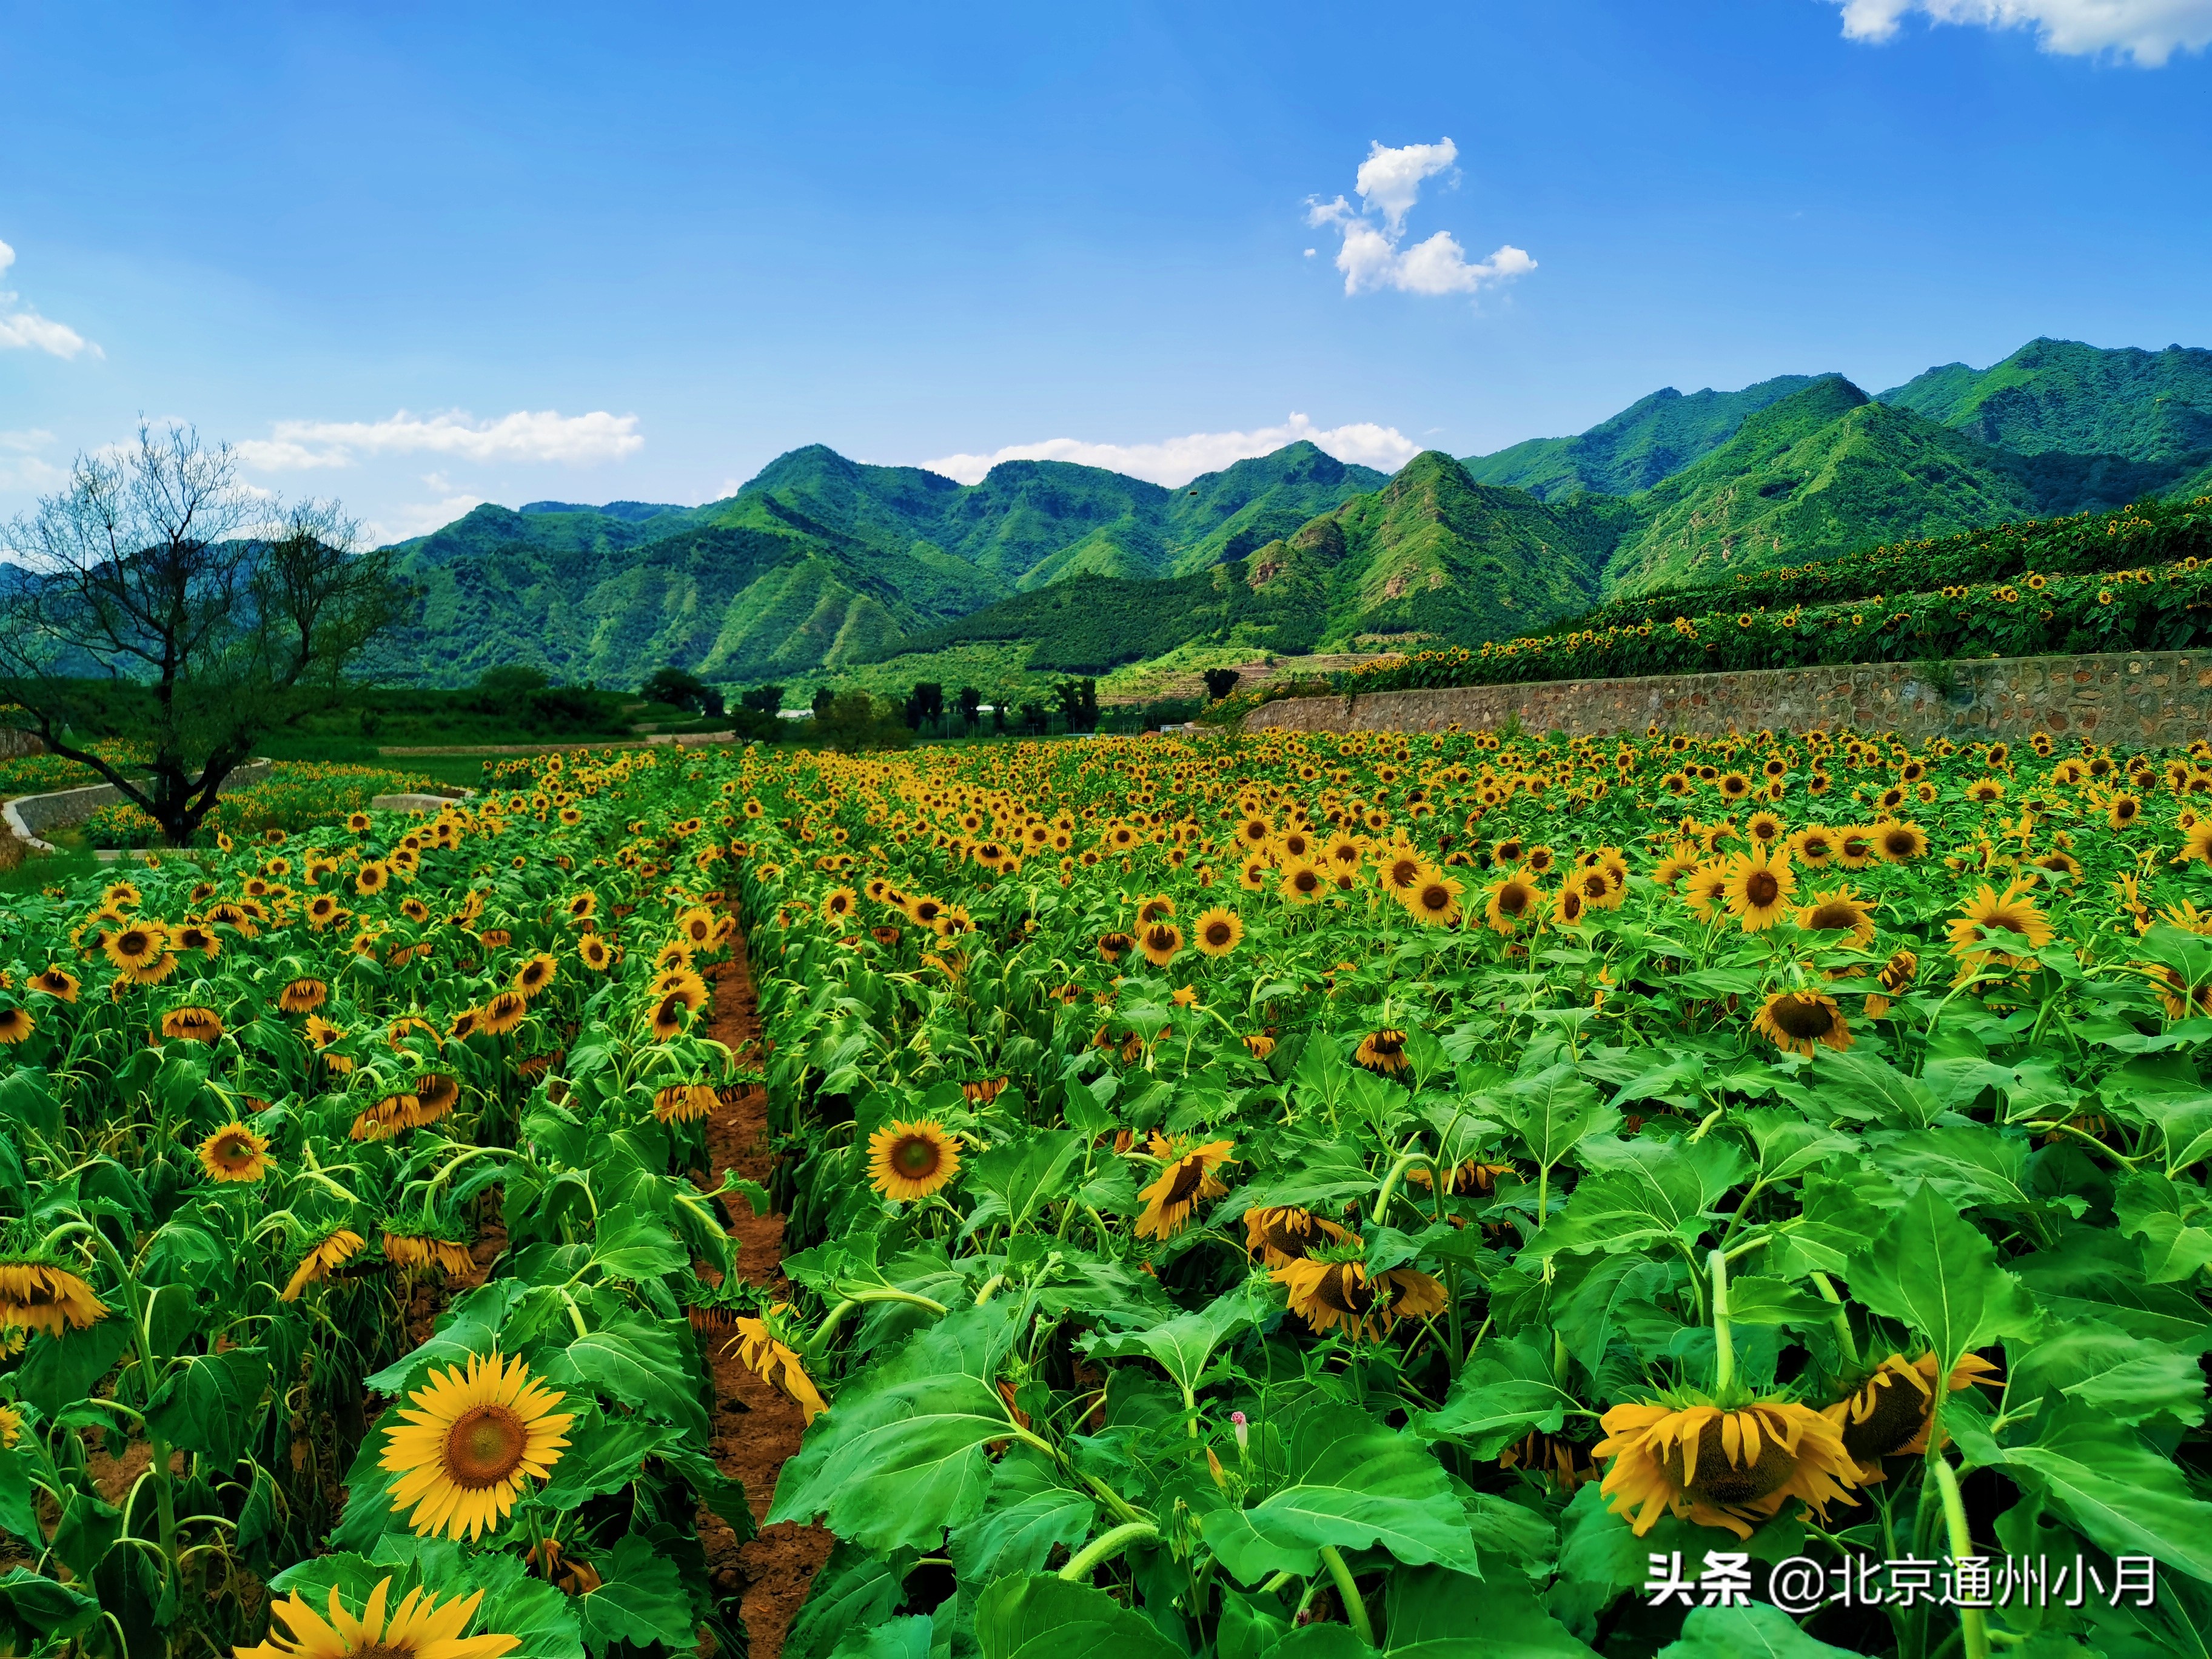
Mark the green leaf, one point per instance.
(2128, 1378)
(46, 1607)
(2170, 1219)
(1967, 1164)
(1028, 1513)
(470, 1326)
(60, 1370)
(641, 1600)
(1642, 1192)
(910, 1637)
(2118, 1492)
(1554, 1112)
(1046, 1618)
(1354, 1483)
(852, 1591)
(210, 1406)
(1756, 1301)
(2097, 1276)
(1182, 1346)
(1026, 1175)
(632, 1246)
(604, 1456)
(1789, 1145)
(1859, 1085)
(1757, 1632)
(1431, 1612)
(1938, 1274)
(646, 1366)
(19, 1511)
(899, 1456)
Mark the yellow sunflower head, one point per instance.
(912, 1158)
(1798, 1021)
(38, 1296)
(467, 1441)
(1187, 1176)
(234, 1152)
(418, 1628)
(1720, 1469)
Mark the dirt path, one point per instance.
(756, 1428)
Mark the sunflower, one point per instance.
(135, 947)
(1888, 1415)
(1282, 1234)
(1338, 1295)
(234, 1152)
(667, 1017)
(55, 982)
(911, 1159)
(760, 1352)
(682, 1102)
(1856, 847)
(1511, 902)
(1996, 925)
(1706, 891)
(684, 985)
(436, 1093)
(1218, 930)
(1760, 883)
(1838, 911)
(37, 1296)
(418, 1629)
(1814, 845)
(11, 1427)
(1252, 874)
(303, 996)
(1795, 1021)
(15, 1025)
(838, 905)
(1434, 900)
(1302, 884)
(1259, 1044)
(1160, 941)
(1383, 1051)
(419, 1250)
(503, 1013)
(466, 1442)
(1186, 1177)
(1898, 843)
(338, 1248)
(534, 976)
(1720, 1469)
(1682, 860)
(191, 1024)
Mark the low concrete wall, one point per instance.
(15, 742)
(31, 816)
(2145, 697)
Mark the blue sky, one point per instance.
(418, 256)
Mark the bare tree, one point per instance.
(158, 574)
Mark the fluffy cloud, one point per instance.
(23, 466)
(525, 435)
(420, 517)
(1176, 461)
(1374, 255)
(2147, 31)
(21, 325)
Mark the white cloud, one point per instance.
(2147, 31)
(525, 435)
(1176, 461)
(418, 518)
(1373, 254)
(21, 327)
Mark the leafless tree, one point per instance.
(159, 578)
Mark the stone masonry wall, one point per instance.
(2146, 698)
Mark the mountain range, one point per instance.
(822, 562)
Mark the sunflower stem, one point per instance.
(1355, 1609)
(1104, 1547)
(1397, 1174)
(1842, 1318)
(1723, 1346)
(1972, 1626)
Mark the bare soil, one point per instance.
(756, 1427)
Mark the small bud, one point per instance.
(1244, 1432)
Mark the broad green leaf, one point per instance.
(1641, 1192)
(854, 1589)
(1615, 1299)
(1789, 1145)
(641, 1600)
(1967, 1164)
(1432, 1613)
(2126, 1378)
(45, 1607)
(603, 1454)
(899, 1456)
(2094, 1275)
(1756, 1301)
(1026, 1175)
(1029, 1513)
(210, 1405)
(650, 1367)
(2120, 1494)
(1354, 1483)
(1182, 1346)
(2171, 1219)
(1505, 1392)
(19, 1512)
(1759, 1631)
(1552, 1112)
(471, 1326)
(58, 1371)
(910, 1637)
(1047, 1618)
(630, 1245)
(1856, 1084)
(1938, 1274)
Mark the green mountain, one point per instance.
(1827, 470)
(2063, 395)
(1652, 438)
(1431, 552)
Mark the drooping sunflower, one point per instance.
(502, 1013)
(2000, 928)
(1284, 1233)
(191, 1024)
(1798, 1021)
(234, 1152)
(682, 1102)
(1259, 1044)
(1720, 1469)
(418, 1628)
(467, 1442)
(16, 1025)
(1889, 1413)
(417, 1251)
(1838, 911)
(332, 1251)
(55, 982)
(1512, 902)
(911, 1159)
(1383, 1051)
(1217, 932)
(303, 996)
(1760, 883)
(1160, 941)
(1187, 1176)
(37, 1296)
(762, 1353)
(534, 976)
(1338, 1295)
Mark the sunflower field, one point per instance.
(1276, 1195)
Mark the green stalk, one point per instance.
(1842, 1318)
(1973, 1625)
(1105, 1546)
(1723, 1345)
(1355, 1610)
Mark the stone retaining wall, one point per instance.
(14, 741)
(31, 815)
(2148, 697)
